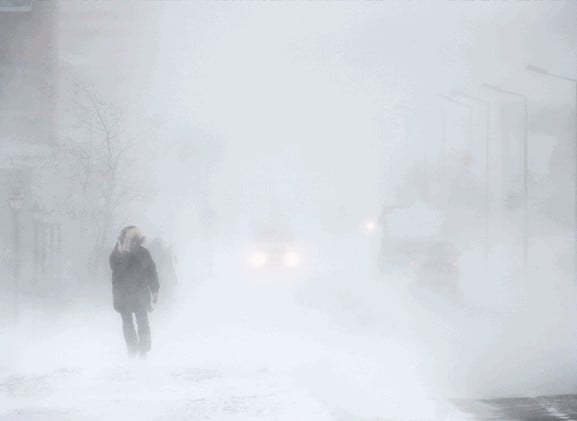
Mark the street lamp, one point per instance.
(54, 240)
(470, 112)
(370, 226)
(544, 72)
(16, 204)
(547, 73)
(487, 131)
(37, 220)
(504, 91)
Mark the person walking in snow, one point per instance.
(134, 285)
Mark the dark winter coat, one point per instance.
(134, 277)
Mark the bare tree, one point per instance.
(94, 168)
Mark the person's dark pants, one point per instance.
(136, 344)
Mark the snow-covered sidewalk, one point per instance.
(64, 370)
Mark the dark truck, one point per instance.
(413, 247)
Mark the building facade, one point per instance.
(28, 53)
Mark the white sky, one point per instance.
(302, 94)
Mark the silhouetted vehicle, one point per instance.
(274, 249)
(413, 249)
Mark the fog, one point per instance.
(356, 210)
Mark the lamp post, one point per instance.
(54, 240)
(16, 203)
(469, 110)
(547, 73)
(485, 103)
(444, 141)
(37, 220)
(503, 91)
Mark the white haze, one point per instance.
(310, 118)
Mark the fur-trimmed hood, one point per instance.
(129, 238)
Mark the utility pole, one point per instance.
(487, 144)
(469, 111)
(547, 73)
(16, 204)
(525, 160)
(470, 121)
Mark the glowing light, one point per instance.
(291, 259)
(258, 259)
(370, 226)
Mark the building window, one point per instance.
(15, 5)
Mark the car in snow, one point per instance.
(274, 249)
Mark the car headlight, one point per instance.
(291, 259)
(370, 226)
(258, 259)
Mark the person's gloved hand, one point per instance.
(155, 297)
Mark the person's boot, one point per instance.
(132, 352)
(143, 344)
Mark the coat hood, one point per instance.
(129, 238)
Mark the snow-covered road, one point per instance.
(251, 365)
(143, 391)
(257, 352)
